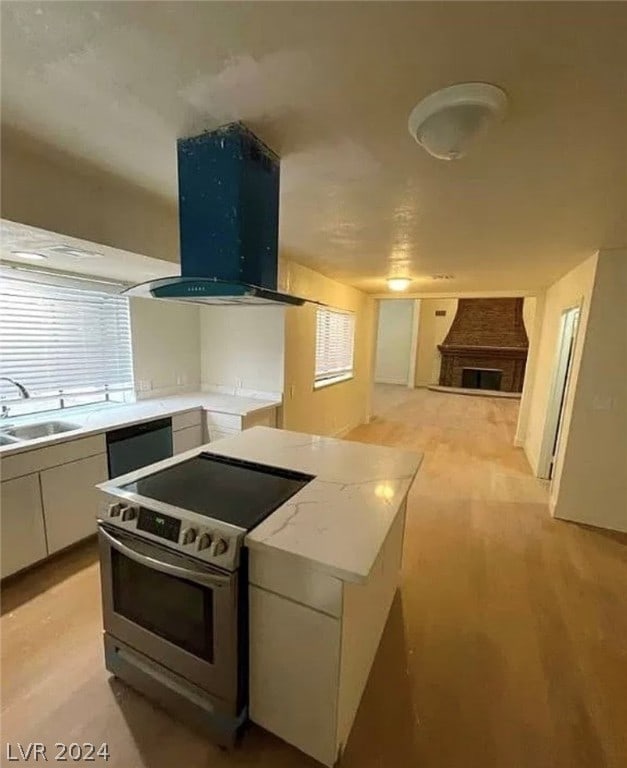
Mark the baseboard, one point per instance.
(402, 382)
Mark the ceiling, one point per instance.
(100, 261)
(330, 87)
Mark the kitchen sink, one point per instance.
(8, 440)
(42, 429)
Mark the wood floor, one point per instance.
(506, 646)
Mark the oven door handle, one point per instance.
(201, 577)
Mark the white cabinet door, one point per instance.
(228, 421)
(218, 433)
(71, 501)
(21, 523)
(186, 439)
(294, 670)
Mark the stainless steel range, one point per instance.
(174, 581)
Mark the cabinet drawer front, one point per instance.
(21, 523)
(186, 439)
(224, 420)
(51, 456)
(71, 500)
(186, 420)
(216, 433)
(261, 419)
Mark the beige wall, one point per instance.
(47, 189)
(590, 482)
(529, 313)
(335, 409)
(572, 289)
(242, 347)
(533, 315)
(432, 331)
(166, 347)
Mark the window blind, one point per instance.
(335, 338)
(63, 336)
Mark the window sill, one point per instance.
(335, 380)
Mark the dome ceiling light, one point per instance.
(398, 283)
(446, 122)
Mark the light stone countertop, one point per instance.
(95, 421)
(339, 521)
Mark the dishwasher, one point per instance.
(131, 448)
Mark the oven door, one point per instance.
(176, 610)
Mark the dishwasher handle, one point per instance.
(143, 428)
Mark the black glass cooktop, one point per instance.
(237, 492)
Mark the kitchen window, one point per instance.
(335, 344)
(65, 341)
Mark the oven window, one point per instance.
(175, 609)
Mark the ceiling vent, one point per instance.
(446, 122)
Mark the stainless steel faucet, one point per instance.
(23, 392)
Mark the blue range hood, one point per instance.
(229, 222)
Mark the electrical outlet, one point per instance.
(144, 385)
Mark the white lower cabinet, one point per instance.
(313, 640)
(71, 500)
(221, 425)
(186, 439)
(294, 672)
(21, 524)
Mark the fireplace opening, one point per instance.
(482, 378)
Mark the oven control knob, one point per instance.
(189, 536)
(204, 541)
(129, 513)
(114, 509)
(219, 547)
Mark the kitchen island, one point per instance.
(323, 571)
(290, 541)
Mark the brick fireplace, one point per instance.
(486, 346)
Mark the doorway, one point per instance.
(397, 329)
(569, 323)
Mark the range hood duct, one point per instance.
(229, 222)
